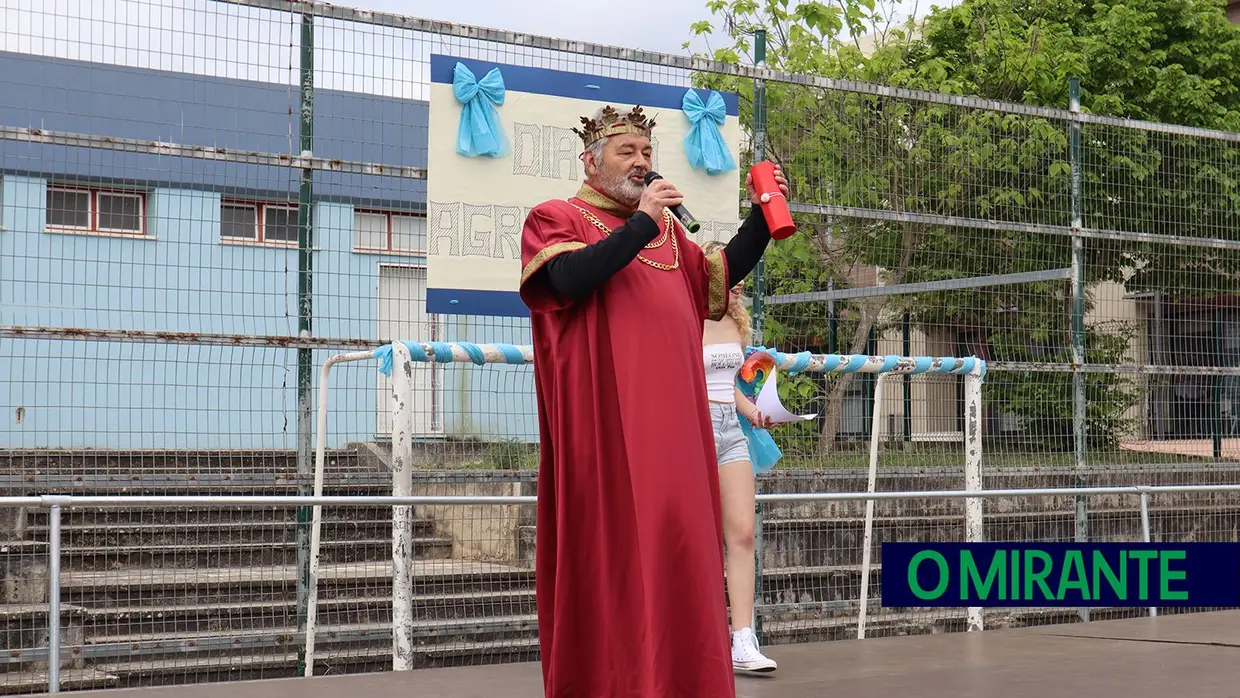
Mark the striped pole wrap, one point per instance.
(860, 363)
(801, 362)
(458, 352)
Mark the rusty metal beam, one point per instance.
(83, 334)
(203, 152)
(1138, 369)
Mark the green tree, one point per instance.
(886, 172)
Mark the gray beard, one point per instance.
(623, 189)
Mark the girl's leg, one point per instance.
(736, 485)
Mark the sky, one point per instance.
(655, 25)
(228, 40)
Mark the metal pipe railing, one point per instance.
(871, 484)
(404, 353)
(177, 500)
(53, 601)
(316, 516)
(1145, 531)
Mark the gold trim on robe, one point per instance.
(545, 254)
(717, 305)
(601, 201)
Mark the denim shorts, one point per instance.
(730, 442)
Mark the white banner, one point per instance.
(476, 206)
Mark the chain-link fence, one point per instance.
(201, 201)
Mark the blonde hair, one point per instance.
(736, 310)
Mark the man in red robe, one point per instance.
(629, 564)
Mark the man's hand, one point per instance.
(779, 178)
(659, 195)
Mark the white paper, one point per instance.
(769, 405)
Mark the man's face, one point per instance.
(620, 172)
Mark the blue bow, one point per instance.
(480, 132)
(704, 145)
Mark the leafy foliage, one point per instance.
(925, 191)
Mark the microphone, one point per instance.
(691, 224)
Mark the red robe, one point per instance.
(629, 565)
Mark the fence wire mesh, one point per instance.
(201, 201)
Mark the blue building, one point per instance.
(99, 239)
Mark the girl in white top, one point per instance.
(723, 352)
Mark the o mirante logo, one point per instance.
(1060, 574)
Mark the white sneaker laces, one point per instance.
(745, 646)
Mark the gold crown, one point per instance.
(611, 123)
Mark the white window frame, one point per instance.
(260, 223)
(92, 212)
(388, 215)
(438, 382)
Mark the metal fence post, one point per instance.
(53, 600)
(759, 300)
(402, 516)
(867, 541)
(316, 521)
(907, 407)
(974, 528)
(1078, 318)
(305, 356)
(1216, 385)
(1145, 531)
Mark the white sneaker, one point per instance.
(745, 653)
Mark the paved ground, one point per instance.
(1187, 655)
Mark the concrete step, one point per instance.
(460, 614)
(206, 556)
(172, 586)
(205, 483)
(1184, 501)
(283, 664)
(837, 541)
(789, 593)
(492, 640)
(141, 620)
(28, 682)
(434, 633)
(86, 461)
(24, 629)
(884, 623)
(819, 542)
(193, 516)
(197, 533)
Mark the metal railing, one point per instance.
(403, 356)
(56, 504)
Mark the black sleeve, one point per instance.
(747, 247)
(578, 273)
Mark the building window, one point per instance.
(274, 224)
(73, 209)
(385, 231)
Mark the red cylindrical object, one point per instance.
(773, 202)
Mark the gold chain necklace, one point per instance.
(656, 243)
(667, 232)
